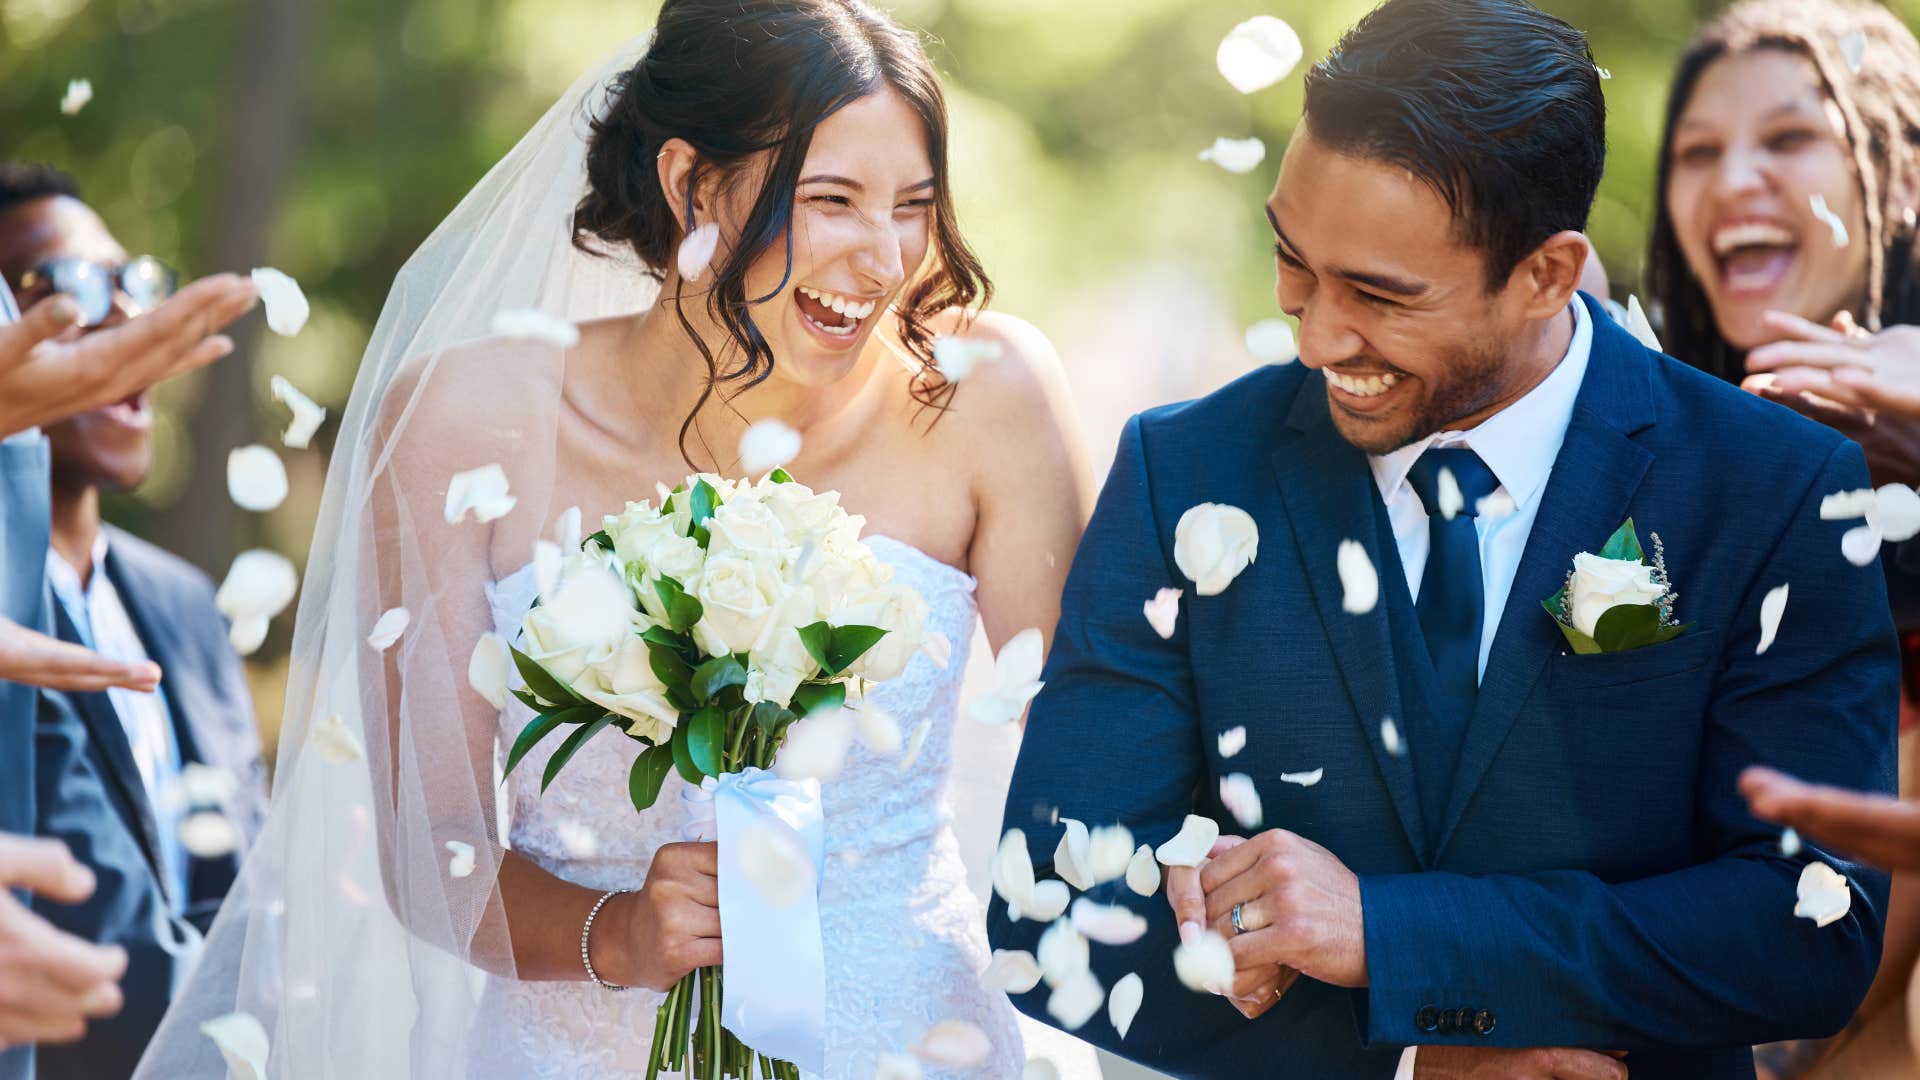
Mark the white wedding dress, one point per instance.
(904, 936)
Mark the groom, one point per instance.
(1510, 846)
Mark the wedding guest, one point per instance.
(1783, 259)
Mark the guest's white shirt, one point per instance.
(107, 628)
(1518, 444)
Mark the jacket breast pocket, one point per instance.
(1690, 652)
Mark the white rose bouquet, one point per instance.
(704, 629)
(1616, 601)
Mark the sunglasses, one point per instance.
(145, 280)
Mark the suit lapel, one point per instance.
(1594, 478)
(1328, 491)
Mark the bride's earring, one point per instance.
(696, 251)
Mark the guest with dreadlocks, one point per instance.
(1783, 259)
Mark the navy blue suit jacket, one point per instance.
(1596, 881)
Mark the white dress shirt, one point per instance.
(107, 628)
(1518, 444)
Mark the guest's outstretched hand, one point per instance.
(33, 658)
(1866, 386)
(54, 982)
(1878, 829)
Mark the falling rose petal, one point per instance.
(460, 859)
(1304, 779)
(896, 1067)
(1825, 215)
(1847, 505)
(566, 531)
(1212, 544)
(1359, 584)
(529, 324)
(206, 785)
(1495, 506)
(388, 628)
(1108, 924)
(1069, 854)
(879, 730)
(548, 559)
(259, 585)
(248, 633)
(1232, 741)
(286, 305)
(79, 92)
(208, 834)
(1270, 341)
(1123, 1002)
(1109, 848)
(489, 668)
(914, 742)
(481, 492)
(1390, 737)
(1638, 325)
(1012, 872)
(1062, 952)
(336, 743)
(939, 649)
(696, 251)
(1853, 49)
(1016, 676)
(767, 445)
(1014, 971)
(1237, 794)
(578, 841)
(816, 746)
(954, 1044)
(1824, 895)
(956, 357)
(243, 1043)
(1771, 609)
(1236, 155)
(1040, 1069)
(1049, 900)
(1789, 843)
(1189, 847)
(255, 479)
(1143, 874)
(1205, 964)
(1448, 489)
(1163, 612)
(307, 414)
(1075, 1001)
(1861, 545)
(776, 866)
(1603, 73)
(1258, 53)
(1896, 512)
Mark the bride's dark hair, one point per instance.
(734, 78)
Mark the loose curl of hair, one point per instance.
(1880, 108)
(739, 78)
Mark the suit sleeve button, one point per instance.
(1427, 1019)
(1483, 1022)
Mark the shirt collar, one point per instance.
(1520, 441)
(66, 582)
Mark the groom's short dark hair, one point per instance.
(1494, 103)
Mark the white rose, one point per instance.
(800, 510)
(624, 683)
(1600, 584)
(582, 622)
(902, 613)
(739, 596)
(779, 661)
(841, 566)
(1212, 543)
(649, 549)
(746, 526)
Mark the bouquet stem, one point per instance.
(689, 1038)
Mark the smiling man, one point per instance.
(1521, 857)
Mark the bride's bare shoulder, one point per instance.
(1018, 390)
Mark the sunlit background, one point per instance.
(327, 139)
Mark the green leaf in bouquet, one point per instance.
(780, 476)
(683, 610)
(601, 538)
(716, 675)
(819, 697)
(706, 736)
(817, 640)
(665, 638)
(543, 684)
(537, 729)
(574, 742)
(849, 644)
(530, 701)
(766, 717)
(702, 502)
(669, 668)
(649, 773)
(1623, 544)
(1627, 626)
(683, 756)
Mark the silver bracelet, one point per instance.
(587, 961)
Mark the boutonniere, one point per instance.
(1615, 601)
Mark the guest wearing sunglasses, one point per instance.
(130, 601)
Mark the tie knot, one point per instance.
(1470, 476)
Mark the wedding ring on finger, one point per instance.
(1238, 926)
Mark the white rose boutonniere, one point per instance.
(1615, 601)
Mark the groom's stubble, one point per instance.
(1463, 383)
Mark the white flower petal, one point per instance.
(914, 742)
(1063, 952)
(1452, 501)
(1232, 741)
(1824, 895)
(286, 305)
(776, 866)
(816, 746)
(1075, 1001)
(242, 1040)
(1014, 971)
(548, 560)
(1163, 612)
(879, 730)
(481, 492)
(1771, 609)
(1236, 155)
(1271, 341)
(1108, 924)
(1012, 871)
(1068, 854)
(248, 633)
(208, 834)
(1304, 779)
(766, 445)
(307, 414)
(335, 742)
(578, 841)
(460, 862)
(255, 479)
(1359, 584)
(1825, 215)
(1789, 843)
(1390, 737)
(1258, 53)
(956, 357)
(1143, 873)
(696, 251)
(1123, 1002)
(259, 585)
(566, 531)
(1603, 73)
(896, 1067)
(939, 649)
(1495, 506)
(1847, 505)
(1191, 845)
(1237, 794)
(530, 324)
(1040, 1069)
(1108, 850)
(79, 92)
(1016, 676)
(388, 628)
(1213, 543)
(1853, 49)
(206, 785)
(489, 669)
(954, 1044)
(1205, 964)
(1861, 544)
(1896, 511)
(1049, 900)
(1638, 325)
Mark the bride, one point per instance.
(364, 938)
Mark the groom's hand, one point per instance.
(1498, 1063)
(1300, 908)
(1255, 989)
